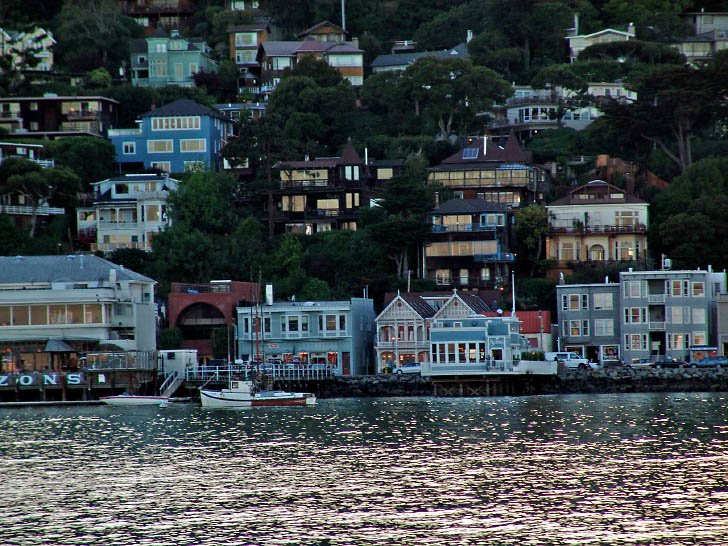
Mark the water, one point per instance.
(563, 470)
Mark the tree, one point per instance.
(202, 201)
(449, 29)
(574, 93)
(532, 227)
(170, 339)
(633, 51)
(406, 198)
(318, 70)
(451, 92)
(92, 159)
(93, 34)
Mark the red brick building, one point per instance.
(199, 309)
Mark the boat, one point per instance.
(244, 394)
(126, 399)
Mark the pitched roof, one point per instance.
(279, 49)
(321, 25)
(469, 206)
(474, 301)
(138, 45)
(599, 192)
(349, 155)
(487, 151)
(401, 59)
(184, 107)
(72, 268)
(247, 28)
(341, 48)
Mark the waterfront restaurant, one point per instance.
(475, 345)
(54, 309)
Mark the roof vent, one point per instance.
(18, 259)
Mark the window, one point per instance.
(635, 342)
(699, 338)
(578, 328)
(245, 56)
(159, 146)
(603, 302)
(698, 316)
(193, 68)
(678, 288)
(698, 289)
(243, 39)
(442, 276)
(676, 314)
(635, 315)
(624, 250)
(34, 106)
(193, 145)
(178, 70)
(161, 165)
(569, 251)
(176, 123)
(633, 289)
(626, 217)
(603, 327)
(279, 63)
(676, 341)
(574, 302)
(129, 148)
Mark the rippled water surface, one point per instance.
(581, 470)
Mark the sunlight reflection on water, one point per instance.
(598, 469)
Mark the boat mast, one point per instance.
(257, 324)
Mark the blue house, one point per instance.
(336, 334)
(178, 137)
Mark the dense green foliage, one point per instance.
(675, 128)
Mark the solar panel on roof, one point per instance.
(470, 153)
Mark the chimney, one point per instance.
(355, 42)
(437, 199)
(576, 24)
(469, 36)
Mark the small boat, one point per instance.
(126, 399)
(243, 394)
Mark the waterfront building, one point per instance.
(665, 313)
(71, 304)
(589, 320)
(403, 326)
(124, 211)
(52, 116)
(474, 345)
(199, 309)
(178, 137)
(336, 335)
(169, 59)
(535, 326)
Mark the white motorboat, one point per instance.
(243, 394)
(134, 400)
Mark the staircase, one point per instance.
(171, 384)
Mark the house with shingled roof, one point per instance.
(484, 169)
(244, 41)
(596, 222)
(324, 194)
(403, 326)
(177, 137)
(401, 61)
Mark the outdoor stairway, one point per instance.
(171, 384)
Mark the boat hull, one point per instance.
(228, 399)
(134, 400)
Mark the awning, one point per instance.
(58, 346)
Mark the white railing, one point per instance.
(656, 298)
(124, 132)
(39, 211)
(657, 325)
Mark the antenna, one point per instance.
(513, 294)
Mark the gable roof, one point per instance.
(485, 151)
(275, 48)
(474, 301)
(72, 268)
(320, 25)
(247, 28)
(602, 194)
(348, 157)
(184, 107)
(412, 299)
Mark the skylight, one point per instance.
(470, 153)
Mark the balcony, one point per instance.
(106, 247)
(497, 257)
(83, 114)
(656, 325)
(656, 298)
(28, 211)
(124, 132)
(462, 228)
(597, 229)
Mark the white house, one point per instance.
(73, 304)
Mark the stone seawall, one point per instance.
(615, 380)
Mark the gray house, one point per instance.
(339, 334)
(589, 320)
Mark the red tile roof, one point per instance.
(530, 323)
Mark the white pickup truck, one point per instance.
(571, 360)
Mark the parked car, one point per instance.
(669, 363)
(709, 362)
(640, 363)
(409, 367)
(571, 360)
